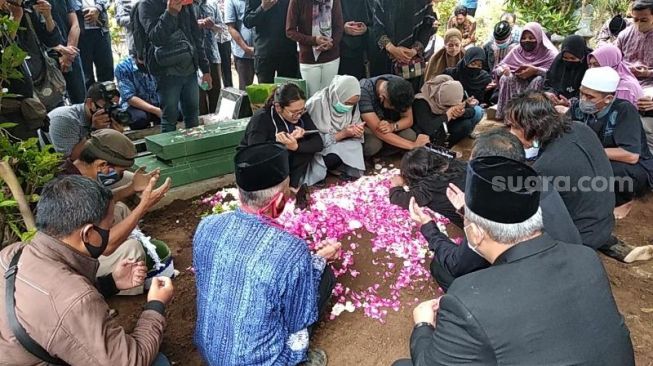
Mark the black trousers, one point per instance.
(225, 64)
(442, 276)
(631, 182)
(141, 119)
(284, 66)
(298, 166)
(353, 64)
(95, 50)
(327, 283)
(209, 98)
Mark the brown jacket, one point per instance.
(60, 308)
(299, 28)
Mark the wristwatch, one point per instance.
(395, 126)
(423, 324)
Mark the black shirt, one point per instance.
(575, 155)
(269, 28)
(60, 11)
(263, 128)
(431, 191)
(618, 126)
(355, 11)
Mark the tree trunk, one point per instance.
(7, 174)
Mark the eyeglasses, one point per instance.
(298, 113)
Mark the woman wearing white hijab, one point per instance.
(335, 113)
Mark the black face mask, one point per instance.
(94, 251)
(528, 46)
(473, 71)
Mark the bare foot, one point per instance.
(639, 254)
(622, 211)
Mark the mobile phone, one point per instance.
(310, 132)
(186, 2)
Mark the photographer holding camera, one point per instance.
(70, 126)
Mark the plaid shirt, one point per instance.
(134, 83)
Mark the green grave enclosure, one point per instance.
(258, 93)
(301, 83)
(191, 155)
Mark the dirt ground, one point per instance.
(351, 339)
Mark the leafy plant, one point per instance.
(24, 167)
(33, 168)
(118, 44)
(444, 9)
(556, 16)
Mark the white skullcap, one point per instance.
(601, 79)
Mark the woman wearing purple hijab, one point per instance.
(525, 66)
(629, 88)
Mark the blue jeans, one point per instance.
(75, 85)
(161, 360)
(461, 128)
(173, 90)
(95, 49)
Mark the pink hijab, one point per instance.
(628, 88)
(541, 57)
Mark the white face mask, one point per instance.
(469, 242)
(533, 151)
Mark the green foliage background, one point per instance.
(33, 166)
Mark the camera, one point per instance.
(109, 93)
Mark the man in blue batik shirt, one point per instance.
(138, 93)
(259, 288)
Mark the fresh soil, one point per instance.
(352, 339)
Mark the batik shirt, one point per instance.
(257, 291)
(133, 82)
(637, 48)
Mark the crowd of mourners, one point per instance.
(526, 285)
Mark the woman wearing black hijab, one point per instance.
(471, 75)
(564, 77)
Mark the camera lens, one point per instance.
(121, 117)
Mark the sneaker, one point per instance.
(639, 254)
(316, 357)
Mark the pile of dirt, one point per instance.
(352, 339)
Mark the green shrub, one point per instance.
(32, 167)
(556, 16)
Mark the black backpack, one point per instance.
(142, 45)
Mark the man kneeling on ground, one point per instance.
(532, 306)
(105, 158)
(51, 311)
(259, 288)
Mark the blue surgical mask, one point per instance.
(587, 107)
(533, 151)
(342, 108)
(108, 179)
(503, 46)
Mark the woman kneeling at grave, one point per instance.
(335, 113)
(284, 120)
